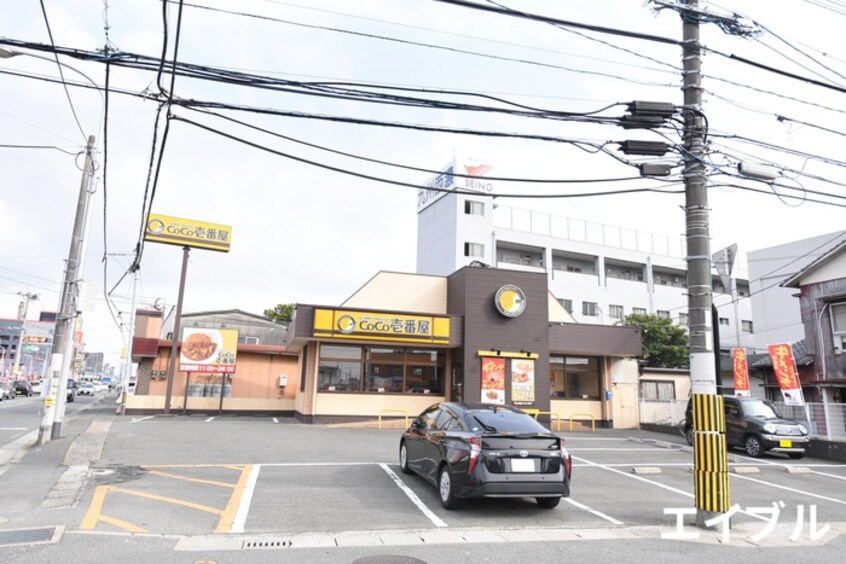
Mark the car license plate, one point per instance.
(785, 444)
(522, 465)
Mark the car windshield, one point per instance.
(503, 422)
(760, 409)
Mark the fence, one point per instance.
(824, 420)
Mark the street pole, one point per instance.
(63, 346)
(174, 344)
(127, 362)
(22, 312)
(710, 471)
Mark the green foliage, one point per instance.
(281, 313)
(664, 344)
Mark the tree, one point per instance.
(281, 313)
(664, 344)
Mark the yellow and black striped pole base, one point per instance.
(710, 462)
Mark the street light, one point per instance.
(63, 346)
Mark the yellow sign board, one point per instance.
(187, 232)
(379, 326)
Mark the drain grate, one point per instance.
(267, 544)
(27, 536)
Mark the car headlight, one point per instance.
(770, 428)
(803, 429)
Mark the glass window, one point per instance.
(382, 377)
(615, 312)
(663, 314)
(474, 208)
(474, 250)
(746, 326)
(339, 368)
(838, 318)
(724, 321)
(424, 371)
(684, 320)
(574, 377)
(567, 304)
(590, 309)
(381, 370)
(657, 391)
(639, 311)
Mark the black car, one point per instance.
(23, 388)
(755, 425)
(479, 450)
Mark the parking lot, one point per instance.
(226, 481)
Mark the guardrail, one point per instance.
(552, 415)
(402, 412)
(592, 420)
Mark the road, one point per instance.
(259, 489)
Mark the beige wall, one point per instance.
(371, 404)
(156, 402)
(623, 380)
(578, 410)
(394, 291)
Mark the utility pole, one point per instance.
(126, 368)
(63, 345)
(710, 470)
(23, 308)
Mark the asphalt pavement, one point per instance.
(265, 489)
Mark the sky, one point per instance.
(303, 232)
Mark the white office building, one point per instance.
(599, 273)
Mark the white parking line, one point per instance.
(12, 428)
(593, 511)
(794, 490)
(413, 497)
(209, 419)
(246, 500)
(142, 419)
(275, 420)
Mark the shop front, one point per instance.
(479, 335)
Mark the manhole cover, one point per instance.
(27, 536)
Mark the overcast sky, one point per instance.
(301, 233)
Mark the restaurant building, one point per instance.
(404, 341)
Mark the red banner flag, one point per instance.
(741, 372)
(784, 367)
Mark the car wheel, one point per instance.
(403, 456)
(796, 455)
(446, 490)
(753, 446)
(548, 502)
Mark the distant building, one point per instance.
(599, 273)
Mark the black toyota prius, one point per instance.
(479, 450)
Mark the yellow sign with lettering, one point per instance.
(187, 232)
(380, 326)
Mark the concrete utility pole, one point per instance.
(63, 346)
(710, 471)
(126, 367)
(23, 308)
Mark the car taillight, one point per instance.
(566, 457)
(475, 444)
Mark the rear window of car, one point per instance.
(484, 420)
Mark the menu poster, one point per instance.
(522, 381)
(784, 367)
(493, 380)
(741, 372)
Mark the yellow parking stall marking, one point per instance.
(187, 479)
(93, 513)
(122, 524)
(172, 500)
(228, 517)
